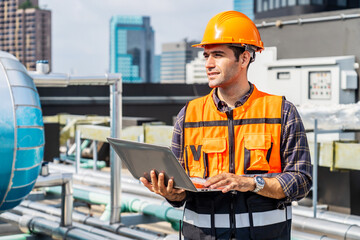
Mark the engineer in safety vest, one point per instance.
(250, 144)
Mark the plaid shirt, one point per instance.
(296, 177)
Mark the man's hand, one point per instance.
(157, 186)
(230, 181)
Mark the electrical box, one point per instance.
(320, 81)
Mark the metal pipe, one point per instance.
(102, 179)
(132, 204)
(115, 163)
(307, 20)
(24, 236)
(78, 150)
(54, 218)
(88, 172)
(296, 235)
(326, 215)
(64, 80)
(40, 225)
(332, 229)
(315, 169)
(92, 221)
(95, 155)
(65, 181)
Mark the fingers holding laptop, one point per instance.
(157, 185)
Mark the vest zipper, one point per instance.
(232, 214)
(231, 141)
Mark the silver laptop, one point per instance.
(141, 158)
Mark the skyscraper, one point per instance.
(25, 31)
(246, 7)
(132, 48)
(174, 58)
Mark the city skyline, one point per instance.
(81, 39)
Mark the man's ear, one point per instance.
(245, 58)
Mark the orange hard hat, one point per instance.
(231, 27)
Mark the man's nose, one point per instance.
(210, 62)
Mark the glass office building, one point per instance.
(246, 7)
(174, 57)
(132, 48)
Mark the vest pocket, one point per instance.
(214, 149)
(257, 151)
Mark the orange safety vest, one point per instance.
(245, 140)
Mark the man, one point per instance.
(250, 144)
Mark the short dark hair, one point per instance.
(237, 51)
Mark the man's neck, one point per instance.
(231, 95)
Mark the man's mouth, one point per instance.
(213, 73)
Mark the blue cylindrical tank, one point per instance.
(21, 132)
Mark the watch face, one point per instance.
(260, 180)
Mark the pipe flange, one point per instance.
(24, 224)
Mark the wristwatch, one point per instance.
(259, 183)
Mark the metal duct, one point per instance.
(21, 133)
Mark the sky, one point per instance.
(80, 28)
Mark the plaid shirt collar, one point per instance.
(223, 107)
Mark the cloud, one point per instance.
(80, 28)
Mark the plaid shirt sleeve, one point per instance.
(177, 138)
(296, 179)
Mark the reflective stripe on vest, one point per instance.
(245, 140)
(242, 220)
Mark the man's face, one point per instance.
(221, 66)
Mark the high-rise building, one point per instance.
(132, 48)
(246, 7)
(278, 8)
(174, 58)
(157, 69)
(25, 31)
(195, 70)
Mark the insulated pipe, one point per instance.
(326, 215)
(163, 212)
(95, 154)
(296, 235)
(92, 221)
(78, 150)
(332, 229)
(115, 163)
(52, 229)
(65, 181)
(90, 229)
(23, 236)
(64, 80)
(102, 179)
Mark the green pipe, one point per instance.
(24, 236)
(164, 213)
